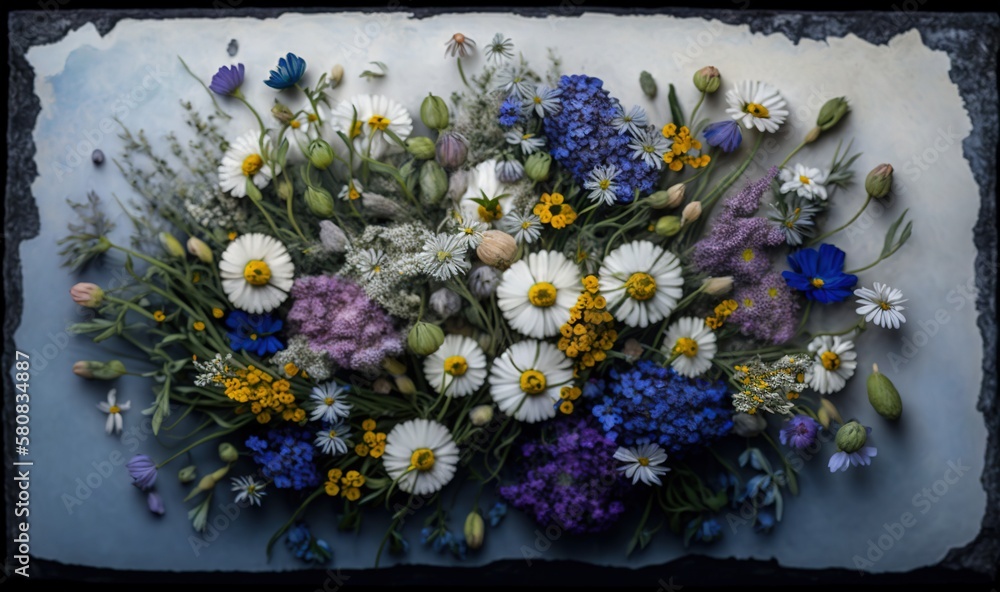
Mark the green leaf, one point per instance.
(779, 504)
(793, 482)
(675, 107)
(890, 235)
(173, 338)
(675, 523)
(370, 74)
(157, 420)
(691, 529)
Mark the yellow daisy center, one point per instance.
(884, 305)
(490, 215)
(353, 193)
(642, 460)
(456, 365)
(312, 117)
(604, 183)
(333, 434)
(757, 110)
(542, 294)
(422, 459)
(378, 122)
(686, 346)
(257, 273)
(252, 165)
(295, 124)
(532, 382)
(830, 360)
(114, 409)
(804, 180)
(525, 225)
(817, 282)
(328, 401)
(641, 286)
(537, 99)
(253, 337)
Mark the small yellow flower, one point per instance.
(232, 236)
(361, 449)
(199, 326)
(159, 316)
(218, 313)
(368, 425)
(291, 370)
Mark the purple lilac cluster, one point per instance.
(738, 246)
(337, 317)
(286, 457)
(581, 137)
(571, 480)
(649, 403)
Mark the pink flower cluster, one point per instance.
(337, 317)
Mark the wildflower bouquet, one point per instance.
(531, 298)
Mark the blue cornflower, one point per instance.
(305, 546)
(820, 274)
(290, 70)
(583, 136)
(510, 111)
(497, 512)
(142, 469)
(724, 134)
(254, 333)
(709, 530)
(799, 432)
(227, 80)
(765, 522)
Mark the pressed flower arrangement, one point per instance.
(541, 297)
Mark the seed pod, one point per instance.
(883, 395)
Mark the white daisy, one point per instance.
(642, 463)
(544, 101)
(525, 380)
(691, 344)
(483, 181)
(244, 160)
(834, 363)
(601, 184)
(633, 122)
(420, 456)
(805, 182)
(648, 147)
(248, 489)
(500, 49)
(524, 226)
(470, 230)
(457, 368)
(535, 295)
(370, 263)
(329, 403)
(881, 305)
(443, 256)
(642, 283)
(757, 104)
(114, 411)
(513, 80)
(529, 142)
(333, 441)
(351, 191)
(257, 272)
(375, 116)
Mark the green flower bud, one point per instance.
(208, 482)
(228, 452)
(475, 530)
(832, 112)
(647, 84)
(171, 245)
(393, 366)
(883, 395)
(99, 370)
(87, 294)
(285, 188)
(708, 79)
(320, 154)
(691, 212)
(813, 135)
(199, 249)
(336, 75)
(537, 166)
(421, 147)
(851, 437)
(717, 286)
(434, 112)
(187, 474)
(878, 183)
(668, 225)
(405, 385)
(433, 182)
(282, 113)
(671, 198)
(425, 338)
(319, 201)
(481, 415)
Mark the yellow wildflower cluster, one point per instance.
(349, 485)
(678, 155)
(722, 312)
(374, 442)
(265, 395)
(552, 210)
(590, 332)
(568, 394)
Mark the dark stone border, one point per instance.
(971, 41)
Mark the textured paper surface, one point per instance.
(906, 112)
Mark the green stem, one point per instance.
(149, 260)
(839, 228)
(200, 442)
(856, 325)
(131, 306)
(291, 217)
(805, 317)
(694, 112)
(791, 154)
(270, 221)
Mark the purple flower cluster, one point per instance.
(738, 245)
(571, 480)
(581, 137)
(649, 403)
(337, 317)
(799, 432)
(286, 457)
